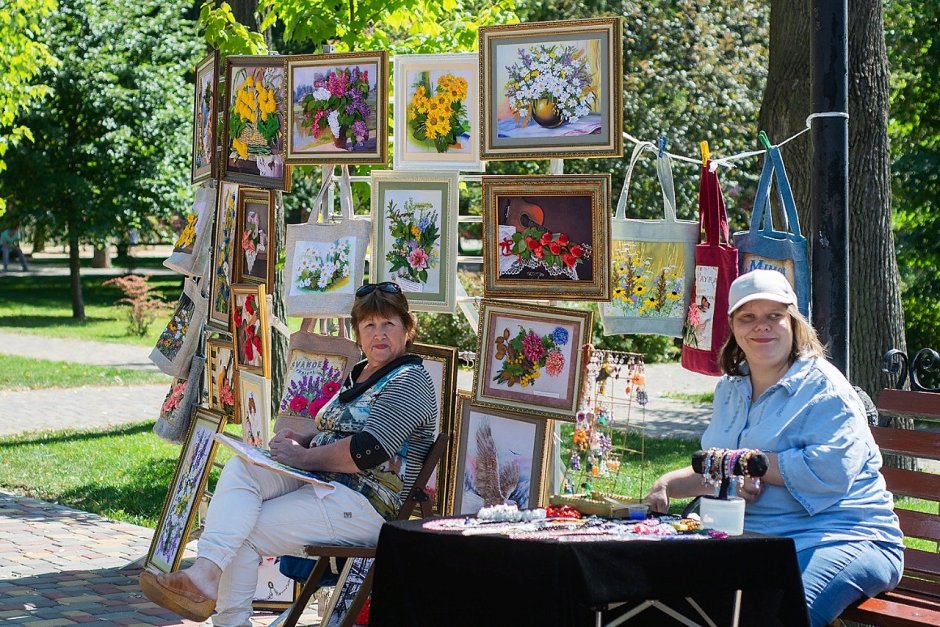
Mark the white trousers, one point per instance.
(256, 512)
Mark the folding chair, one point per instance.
(417, 497)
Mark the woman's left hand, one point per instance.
(751, 490)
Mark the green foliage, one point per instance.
(22, 57)
(24, 373)
(142, 306)
(224, 33)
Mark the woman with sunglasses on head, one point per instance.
(370, 443)
(822, 487)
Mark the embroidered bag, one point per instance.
(177, 344)
(184, 395)
(764, 247)
(190, 254)
(326, 260)
(716, 267)
(652, 262)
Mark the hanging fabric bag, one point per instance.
(177, 344)
(652, 262)
(191, 253)
(184, 395)
(326, 259)
(716, 267)
(763, 247)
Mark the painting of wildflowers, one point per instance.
(312, 380)
(321, 267)
(648, 280)
(338, 108)
(223, 256)
(552, 88)
(205, 109)
(529, 358)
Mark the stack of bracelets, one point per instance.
(720, 464)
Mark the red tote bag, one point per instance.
(716, 267)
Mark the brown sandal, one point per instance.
(176, 592)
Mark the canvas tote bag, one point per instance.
(716, 267)
(184, 395)
(191, 253)
(326, 259)
(177, 344)
(652, 262)
(763, 247)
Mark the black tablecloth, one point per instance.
(445, 579)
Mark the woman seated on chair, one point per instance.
(370, 443)
(822, 488)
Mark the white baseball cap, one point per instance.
(760, 285)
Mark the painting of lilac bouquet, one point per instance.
(312, 382)
(339, 102)
(323, 268)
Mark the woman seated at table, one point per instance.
(370, 443)
(822, 488)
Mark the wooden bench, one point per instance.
(916, 600)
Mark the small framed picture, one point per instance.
(274, 591)
(254, 232)
(220, 376)
(441, 364)
(205, 111)
(223, 256)
(414, 242)
(547, 237)
(254, 139)
(251, 330)
(254, 408)
(338, 106)
(186, 490)
(437, 120)
(529, 358)
(552, 90)
(500, 457)
(351, 579)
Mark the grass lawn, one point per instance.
(42, 305)
(705, 398)
(24, 373)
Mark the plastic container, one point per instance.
(723, 514)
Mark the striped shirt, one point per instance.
(399, 409)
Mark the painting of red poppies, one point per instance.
(251, 329)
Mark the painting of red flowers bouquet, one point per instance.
(337, 105)
(312, 381)
(249, 318)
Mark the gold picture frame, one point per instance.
(441, 364)
(251, 331)
(255, 251)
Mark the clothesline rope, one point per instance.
(729, 161)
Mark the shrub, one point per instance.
(143, 307)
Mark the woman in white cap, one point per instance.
(822, 487)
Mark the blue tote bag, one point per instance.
(762, 246)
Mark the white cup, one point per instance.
(723, 514)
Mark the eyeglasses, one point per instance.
(385, 286)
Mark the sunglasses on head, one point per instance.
(385, 286)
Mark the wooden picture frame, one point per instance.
(423, 265)
(221, 376)
(255, 252)
(508, 377)
(274, 592)
(253, 408)
(186, 490)
(499, 456)
(547, 237)
(520, 117)
(441, 364)
(451, 142)
(205, 117)
(250, 328)
(322, 85)
(223, 256)
(254, 138)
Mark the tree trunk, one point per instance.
(75, 279)
(101, 257)
(876, 321)
(39, 239)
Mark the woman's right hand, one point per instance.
(658, 498)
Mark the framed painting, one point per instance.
(274, 591)
(252, 333)
(552, 90)
(220, 376)
(547, 237)
(437, 119)
(441, 364)
(223, 256)
(500, 457)
(254, 230)
(205, 111)
(254, 137)
(254, 408)
(350, 581)
(414, 240)
(529, 358)
(186, 490)
(338, 106)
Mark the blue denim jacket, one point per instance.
(815, 422)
